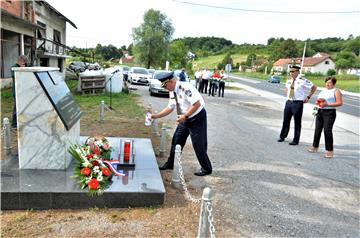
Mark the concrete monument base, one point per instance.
(54, 189)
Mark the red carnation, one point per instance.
(96, 150)
(85, 171)
(106, 171)
(95, 162)
(93, 184)
(89, 156)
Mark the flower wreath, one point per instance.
(92, 169)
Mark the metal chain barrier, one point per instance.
(2, 133)
(210, 219)
(182, 180)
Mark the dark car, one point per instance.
(77, 66)
(274, 79)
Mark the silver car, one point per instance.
(155, 85)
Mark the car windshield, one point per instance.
(140, 71)
(126, 68)
(158, 74)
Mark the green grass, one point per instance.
(125, 104)
(351, 84)
(213, 60)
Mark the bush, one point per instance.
(317, 74)
(331, 72)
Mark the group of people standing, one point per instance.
(207, 81)
(330, 97)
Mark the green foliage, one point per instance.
(177, 54)
(331, 72)
(152, 38)
(345, 59)
(227, 60)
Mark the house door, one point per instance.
(10, 50)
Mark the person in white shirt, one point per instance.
(295, 89)
(328, 99)
(190, 107)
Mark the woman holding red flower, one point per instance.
(328, 99)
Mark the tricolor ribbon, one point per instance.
(112, 166)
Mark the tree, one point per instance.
(345, 60)
(177, 54)
(152, 38)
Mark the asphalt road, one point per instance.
(268, 189)
(350, 106)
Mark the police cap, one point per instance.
(294, 67)
(165, 77)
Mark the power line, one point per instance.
(265, 11)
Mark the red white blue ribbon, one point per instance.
(112, 164)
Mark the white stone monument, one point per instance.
(48, 118)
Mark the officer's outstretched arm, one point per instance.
(166, 111)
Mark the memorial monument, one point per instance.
(48, 118)
(41, 176)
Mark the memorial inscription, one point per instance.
(60, 97)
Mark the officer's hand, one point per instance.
(180, 118)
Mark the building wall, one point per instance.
(52, 22)
(13, 7)
(322, 67)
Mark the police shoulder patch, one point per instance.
(188, 93)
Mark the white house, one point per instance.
(318, 63)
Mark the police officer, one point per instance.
(191, 118)
(295, 88)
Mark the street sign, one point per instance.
(228, 68)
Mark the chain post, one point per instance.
(176, 172)
(206, 227)
(102, 109)
(7, 135)
(163, 140)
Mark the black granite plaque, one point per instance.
(60, 97)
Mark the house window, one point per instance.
(57, 36)
(41, 32)
(327, 62)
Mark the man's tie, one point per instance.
(292, 91)
(178, 110)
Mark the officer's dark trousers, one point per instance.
(292, 108)
(324, 120)
(204, 86)
(221, 88)
(196, 127)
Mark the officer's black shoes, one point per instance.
(202, 172)
(165, 166)
(293, 143)
(280, 140)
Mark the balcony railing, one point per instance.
(50, 47)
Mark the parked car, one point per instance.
(151, 72)
(139, 75)
(155, 84)
(77, 66)
(274, 79)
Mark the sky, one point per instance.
(242, 21)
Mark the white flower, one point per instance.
(88, 179)
(86, 163)
(99, 177)
(96, 169)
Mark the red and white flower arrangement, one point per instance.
(91, 171)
